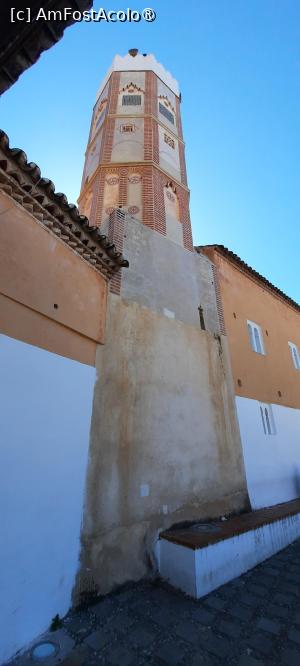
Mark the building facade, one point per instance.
(263, 330)
(165, 444)
(54, 274)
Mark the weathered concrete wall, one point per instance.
(163, 275)
(165, 445)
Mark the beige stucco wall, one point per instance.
(49, 296)
(163, 423)
(261, 376)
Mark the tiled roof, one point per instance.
(22, 43)
(23, 182)
(234, 258)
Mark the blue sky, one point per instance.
(238, 65)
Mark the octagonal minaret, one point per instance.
(135, 155)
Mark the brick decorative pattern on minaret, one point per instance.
(150, 94)
(114, 92)
(159, 182)
(98, 196)
(178, 116)
(148, 139)
(154, 179)
(150, 125)
(109, 129)
(183, 197)
(182, 163)
(155, 142)
(116, 228)
(123, 187)
(147, 196)
(108, 139)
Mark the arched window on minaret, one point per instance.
(134, 196)
(172, 212)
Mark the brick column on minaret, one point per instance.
(110, 122)
(159, 182)
(150, 94)
(108, 141)
(115, 235)
(182, 163)
(98, 196)
(150, 126)
(178, 116)
(123, 187)
(148, 139)
(147, 196)
(114, 92)
(183, 197)
(155, 142)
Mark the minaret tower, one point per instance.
(135, 158)
(164, 439)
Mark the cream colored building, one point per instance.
(54, 274)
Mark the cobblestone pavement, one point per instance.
(251, 621)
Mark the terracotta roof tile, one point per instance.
(234, 258)
(22, 180)
(22, 43)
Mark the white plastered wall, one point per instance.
(46, 404)
(128, 146)
(272, 462)
(169, 152)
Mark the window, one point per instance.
(131, 100)
(267, 419)
(165, 112)
(127, 129)
(255, 337)
(295, 355)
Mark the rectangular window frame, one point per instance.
(256, 337)
(166, 113)
(295, 355)
(131, 100)
(267, 418)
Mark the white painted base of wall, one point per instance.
(198, 572)
(272, 462)
(46, 405)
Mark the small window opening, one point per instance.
(267, 418)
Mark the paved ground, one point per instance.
(251, 621)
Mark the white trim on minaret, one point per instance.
(129, 63)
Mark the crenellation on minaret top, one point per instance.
(134, 61)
